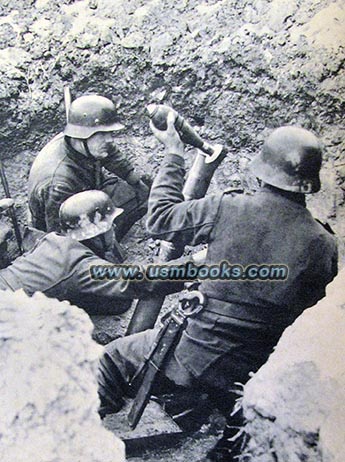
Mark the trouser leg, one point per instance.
(122, 359)
(230, 445)
(223, 375)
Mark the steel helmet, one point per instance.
(291, 160)
(87, 214)
(91, 114)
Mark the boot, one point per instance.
(111, 387)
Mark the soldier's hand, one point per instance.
(117, 162)
(169, 137)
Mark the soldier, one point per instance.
(243, 320)
(73, 161)
(59, 264)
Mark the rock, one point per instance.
(325, 29)
(133, 40)
(159, 44)
(48, 382)
(7, 35)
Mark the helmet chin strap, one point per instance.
(98, 166)
(104, 244)
(87, 150)
(80, 145)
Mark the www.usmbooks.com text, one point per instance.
(224, 271)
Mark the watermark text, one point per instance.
(223, 271)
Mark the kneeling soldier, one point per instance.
(59, 264)
(243, 320)
(85, 156)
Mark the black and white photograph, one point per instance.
(172, 231)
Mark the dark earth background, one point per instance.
(234, 69)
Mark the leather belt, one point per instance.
(272, 314)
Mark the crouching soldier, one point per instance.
(59, 264)
(244, 317)
(84, 157)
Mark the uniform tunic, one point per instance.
(59, 171)
(269, 227)
(243, 320)
(60, 268)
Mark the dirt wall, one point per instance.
(302, 416)
(235, 69)
(49, 397)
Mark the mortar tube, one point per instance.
(147, 310)
(200, 175)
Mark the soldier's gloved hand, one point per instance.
(169, 137)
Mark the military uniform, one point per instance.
(243, 320)
(59, 171)
(59, 267)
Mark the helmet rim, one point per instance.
(83, 132)
(90, 114)
(93, 230)
(280, 179)
(290, 159)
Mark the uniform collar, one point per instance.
(298, 198)
(77, 157)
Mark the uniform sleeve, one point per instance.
(118, 164)
(95, 289)
(57, 194)
(172, 218)
(322, 269)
